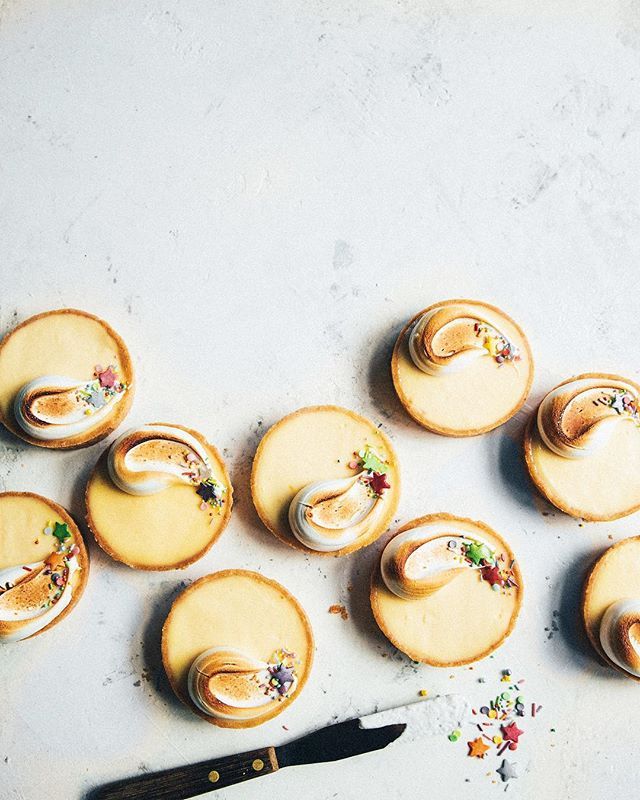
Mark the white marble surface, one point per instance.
(256, 195)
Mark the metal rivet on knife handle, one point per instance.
(258, 764)
(214, 776)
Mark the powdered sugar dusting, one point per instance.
(433, 717)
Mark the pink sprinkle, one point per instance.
(513, 746)
(203, 506)
(191, 457)
(107, 378)
(74, 550)
(353, 465)
(99, 368)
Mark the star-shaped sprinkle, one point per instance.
(61, 531)
(107, 377)
(371, 461)
(96, 399)
(207, 491)
(492, 575)
(477, 552)
(507, 770)
(379, 483)
(617, 403)
(511, 733)
(477, 748)
(284, 678)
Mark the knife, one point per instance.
(342, 740)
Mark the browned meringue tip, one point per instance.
(228, 672)
(29, 593)
(335, 507)
(50, 401)
(570, 416)
(416, 588)
(622, 640)
(458, 340)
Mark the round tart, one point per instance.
(237, 648)
(66, 379)
(461, 367)
(447, 590)
(611, 606)
(582, 446)
(325, 480)
(159, 497)
(44, 565)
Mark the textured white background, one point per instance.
(257, 195)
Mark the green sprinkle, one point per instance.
(61, 531)
(371, 461)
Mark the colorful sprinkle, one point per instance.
(477, 748)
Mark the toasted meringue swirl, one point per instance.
(575, 420)
(329, 515)
(28, 601)
(54, 407)
(228, 684)
(147, 459)
(447, 338)
(420, 561)
(620, 634)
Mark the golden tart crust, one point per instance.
(422, 629)
(130, 527)
(432, 400)
(278, 472)
(584, 487)
(199, 619)
(17, 542)
(72, 342)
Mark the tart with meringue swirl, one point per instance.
(66, 379)
(159, 497)
(611, 606)
(44, 565)
(447, 590)
(582, 446)
(462, 367)
(237, 648)
(325, 480)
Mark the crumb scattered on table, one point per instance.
(337, 608)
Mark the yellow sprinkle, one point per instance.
(497, 739)
(492, 713)
(423, 692)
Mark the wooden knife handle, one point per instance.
(192, 780)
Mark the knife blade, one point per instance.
(334, 742)
(342, 740)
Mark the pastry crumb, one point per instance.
(337, 608)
